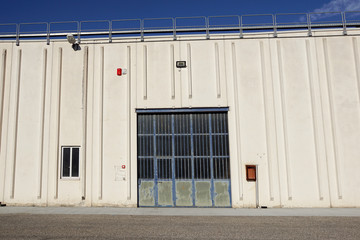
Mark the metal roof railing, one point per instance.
(142, 28)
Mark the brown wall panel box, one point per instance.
(251, 173)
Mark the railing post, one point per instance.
(142, 29)
(207, 28)
(18, 34)
(343, 17)
(274, 25)
(110, 31)
(48, 33)
(174, 28)
(308, 18)
(79, 32)
(240, 26)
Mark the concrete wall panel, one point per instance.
(204, 80)
(251, 112)
(158, 82)
(115, 136)
(297, 111)
(29, 125)
(344, 112)
(5, 76)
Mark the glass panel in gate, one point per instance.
(145, 152)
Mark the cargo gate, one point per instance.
(183, 158)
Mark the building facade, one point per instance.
(256, 121)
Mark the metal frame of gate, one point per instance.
(165, 160)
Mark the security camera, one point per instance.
(71, 38)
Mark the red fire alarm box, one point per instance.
(123, 166)
(251, 173)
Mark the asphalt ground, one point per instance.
(88, 226)
(290, 212)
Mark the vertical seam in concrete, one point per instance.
(3, 77)
(178, 75)
(42, 119)
(217, 67)
(145, 72)
(129, 122)
(3, 80)
(284, 118)
(323, 124)
(274, 118)
(85, 100)
(8, 115)
(172, 71)
(225, 73)
(49, 124)
(189, 70)
(237, 116)
(314, 117)
(332, 118)
(16, 124)
(92, 123)
(267, 123)
(57, 167)
(134, 101)
(101, 122)
(357, 64)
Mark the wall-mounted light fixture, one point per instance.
(181, 64)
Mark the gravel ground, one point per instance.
(33, 226)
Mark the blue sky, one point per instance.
(67, 10)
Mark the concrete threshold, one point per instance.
(306, 212)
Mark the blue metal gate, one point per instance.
(183, 158)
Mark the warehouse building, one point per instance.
(194, 118)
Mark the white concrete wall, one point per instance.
(293, 101)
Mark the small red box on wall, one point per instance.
(251, 173)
